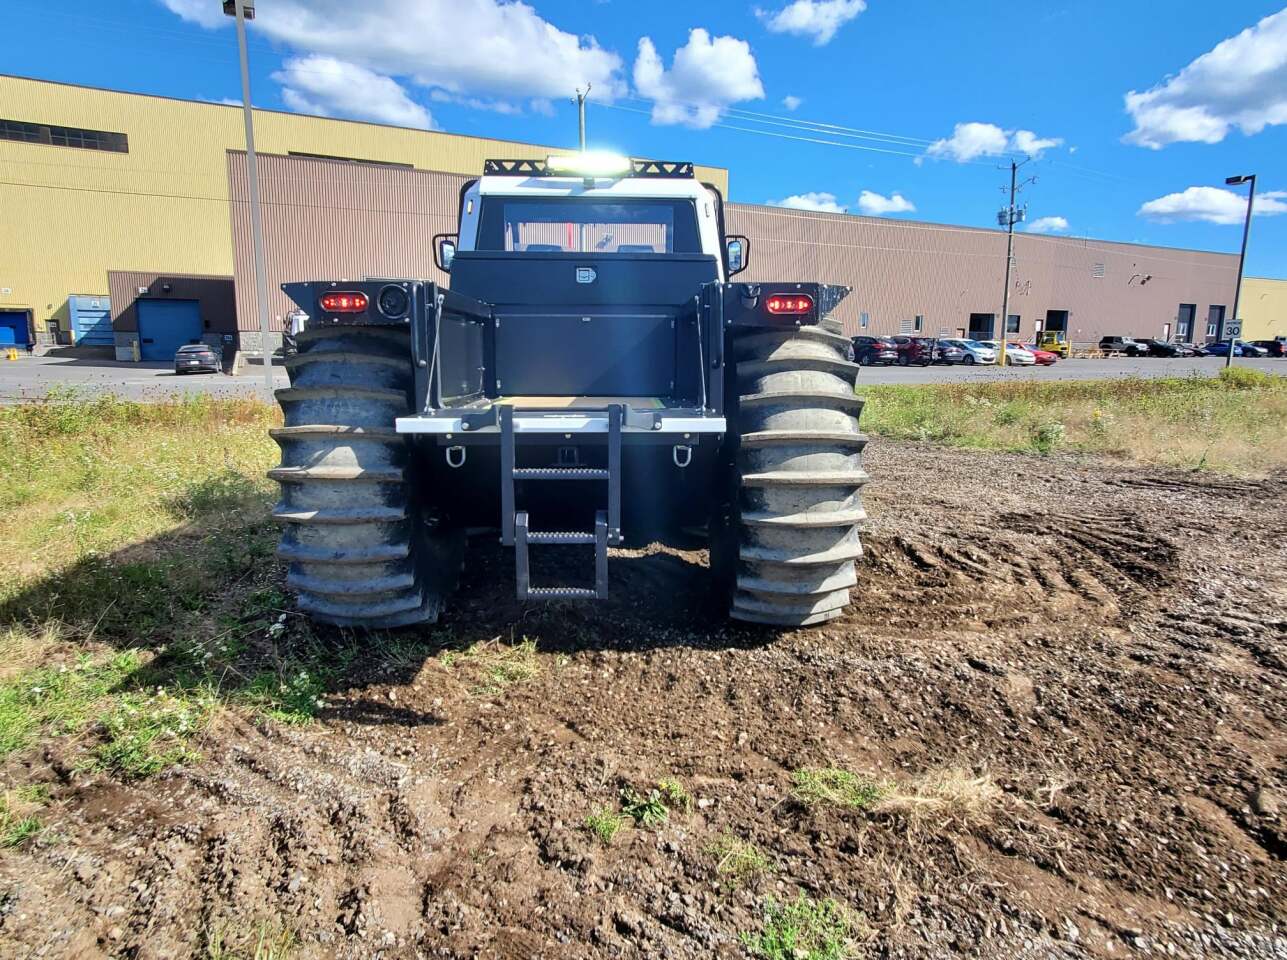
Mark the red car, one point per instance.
(1044, 358)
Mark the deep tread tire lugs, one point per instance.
(360, 552)
(800, 476)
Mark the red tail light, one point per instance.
(789, 303)
(344, 302)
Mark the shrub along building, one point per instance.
(157, 192)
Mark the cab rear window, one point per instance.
(575, 225)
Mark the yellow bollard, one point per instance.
(11, 354)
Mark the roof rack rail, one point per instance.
(639, 168)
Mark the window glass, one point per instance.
(25, 132)
(574, 225)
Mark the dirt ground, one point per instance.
(1105, 643)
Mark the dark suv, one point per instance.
(870, 350)
(914, 350)
(1275, 348)
(1126, 345)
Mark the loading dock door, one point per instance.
(166, 325)
(13, 328)
(1056, 321)
(982, 325)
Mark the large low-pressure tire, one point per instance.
(361, 549)
(794, 526)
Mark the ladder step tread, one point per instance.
(563, 593)
(559, 536)
(560, 473)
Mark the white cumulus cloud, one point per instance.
(877, 205)
(489, 50)
(818, 20)
(970, 141)
(819, 202)
(791, 102)
(1048, 225)
(1212, 205)
(325, 86)
(706, 75)
(1241, 82)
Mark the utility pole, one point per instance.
(581, 98)
(244, 10)
(1242, 257)
(1008, 217)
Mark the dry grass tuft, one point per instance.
(945, 797)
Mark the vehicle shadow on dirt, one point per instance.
(204, 605)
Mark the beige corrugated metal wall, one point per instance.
(327, 220)
(902, 269)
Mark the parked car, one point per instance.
(1185, 349)
(1220, 348)
(1163, 348)
(918, 350)
(1273, 348)
(195, 358)
(948, 353)
(1198, 349)
(1044, 358)
(1054, 341)
(1016, 355)
(872, 350)
(1126, 345)
(975, 352)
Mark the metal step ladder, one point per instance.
(516, 529)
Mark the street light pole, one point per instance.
(581, 98)
(1009, 217)
(1242, 257)
(244, 10)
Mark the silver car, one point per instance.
(975, 352)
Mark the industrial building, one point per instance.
(152, 194)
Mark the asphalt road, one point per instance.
(30, 378)
(1072, 369)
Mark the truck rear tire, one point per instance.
(361, 547)
(791, 537)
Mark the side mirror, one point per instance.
(444, 251)
(737, 254)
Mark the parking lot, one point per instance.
(30, 378)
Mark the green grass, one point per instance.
(494, 664)
(835, 787)
(138, 592)
(605, 824)
(19, 824)
(805, 929)
(674, 795)
(739, 861)
(1232, 423)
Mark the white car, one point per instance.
(975, 352)
(1014, 355)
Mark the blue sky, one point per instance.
(1134, 117)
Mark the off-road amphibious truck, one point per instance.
(593, 376)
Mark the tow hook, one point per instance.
(455, 456)
(682, 454)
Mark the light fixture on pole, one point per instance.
(244, 10)
(1242, 257)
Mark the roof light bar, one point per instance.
(590, 164)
